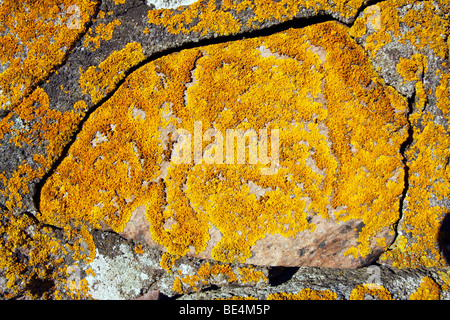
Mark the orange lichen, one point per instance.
(248, 275)
(238, 298)
(304, 294)
(207, 274)
(103, 31)
(428, 290)
(362, 291)
(30, 254)
(429, 176)
(177, 286)
(114, 165)
(35, 38)
(220, 20)
(425, 26)
(445, 279)
(139, 249)
(99, 80)
(42, 124)
(412, 68)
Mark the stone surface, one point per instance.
(100, 60)
(308, 210)
(92, 204)
(338, 284)
(414, 60)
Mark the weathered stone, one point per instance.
(102, 58)
(371, 283)
(339, 195)
(414, 60)
(329, 198)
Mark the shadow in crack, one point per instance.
(444, 238)
(279, 275)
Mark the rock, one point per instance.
(371, 283)
(119, 271)
(120, 38)
(415, 62)
(318, 203)
(106, 190)
(151, 295)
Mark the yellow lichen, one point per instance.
(219, 20)
(428, 290)
(249, 275)
(35, 38)
(425, 26)
(238, 298)
(103, 31)
(429, 176)
(45, 124)
(304, 294)
(207, 273)
(100, 80)
(411, 69)
(362, 291)
(177, 286)
(114, 165)
(30, 253)
(138, 249)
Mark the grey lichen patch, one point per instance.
(169, 4)
(119, 277)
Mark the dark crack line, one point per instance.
(403, 149)
(409, 140)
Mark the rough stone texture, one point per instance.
(109, 41)
(309, 211)
(414, 60)
(338, 284)
(43, 110)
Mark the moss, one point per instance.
(35, 39)
(114, 164)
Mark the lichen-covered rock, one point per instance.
(35, 38)
(122, 35)
(38, 261)
(106, 190)
(338, 284)
(329, 198)
(413, 58)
